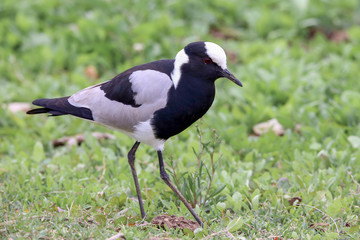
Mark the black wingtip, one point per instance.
(38, 110)
(58, 107)
(40, 101)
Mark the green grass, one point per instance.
(45, 46)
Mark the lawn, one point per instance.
(299, 63)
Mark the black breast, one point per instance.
(187, 103)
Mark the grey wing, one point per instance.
(110, 105)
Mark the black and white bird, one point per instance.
(151, 102)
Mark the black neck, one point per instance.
(188, 102)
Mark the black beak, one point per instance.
(226, 73)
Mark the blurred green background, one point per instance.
(299, 63)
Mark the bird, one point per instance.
(151, 102)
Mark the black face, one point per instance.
(200, 64)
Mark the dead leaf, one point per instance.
(333, 35)
(15, 107)
(163, 238)
(79, 138)
(338, 36)
(271, 125)
(297, 128)
(59, 209)
(319, 227)
(99, 135)
(91, 72)
(138, 47)
(175, 222)
(225, 33)
(298, 200)
(117, 236)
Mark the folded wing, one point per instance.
(121, 103)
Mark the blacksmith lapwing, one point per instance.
(151, 102)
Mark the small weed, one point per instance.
(198, 186)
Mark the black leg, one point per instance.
(164, 176)
(131, 159)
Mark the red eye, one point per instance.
(207, 60)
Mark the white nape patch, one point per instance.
(180, 59)
(145, 133)
(216, 53)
